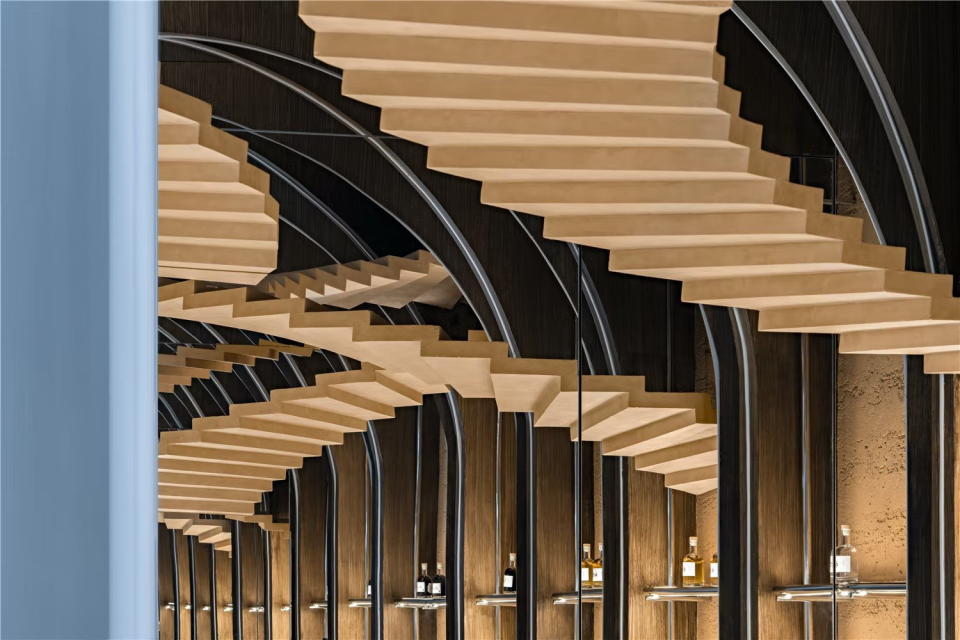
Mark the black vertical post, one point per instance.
(214, 626)
(175, 577)
(330, 535)
(375, 471)
(236, 575)
(293, 480)
(930, 565)
(526, 529)
(730, 338)
(819, 413)
(616, 586)
(192, 563)
(456, 470)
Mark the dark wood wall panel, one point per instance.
(203, 592)
(280, 580)
(480, 561)
(224, 597)
(508, 515)
(251, 559)
(164, 582)
(779, 473)
(351, 564)
(313, 519)
(557, 564)
(647, 552)
(684, 525)
(432, 495)
(398, 441)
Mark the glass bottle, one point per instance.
(423, 582)
(510, 575)
(586, 568)
(691, 574)
(369, 588)
(845, 565)
(597, 577)
(715, 571)
(438, 586)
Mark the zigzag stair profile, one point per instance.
(389, 281)
(217, 220)
(611, 121)
(216, 531)
(189, 363)
(222, 464)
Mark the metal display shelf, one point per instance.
(318, 605)
(497, 600)
(438, 602)
(681, 594)
(590, 596)
(853, 591)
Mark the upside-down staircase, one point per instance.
(217, 220)
(611, 121)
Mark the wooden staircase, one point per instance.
(189, 363)
(610, 120)
(223, 463)
(217, 220)
(389, 281)
(216, 531)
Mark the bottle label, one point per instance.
(507, 582)
(689, 569)
(842, 564)
(714, 570)
(435, 588)
(421, 587)
(598, 574)
(369, 591)
(584, 574)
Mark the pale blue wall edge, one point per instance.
(77, 294)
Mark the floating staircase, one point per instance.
(190, 363)
(221, 465)
(611, 121)
(389, 281)
(217, 220)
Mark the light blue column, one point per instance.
(78, 320)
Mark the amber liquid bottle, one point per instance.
(597, 575)
(691, 574)
(714, 579)
(510, 575)
(586, 568)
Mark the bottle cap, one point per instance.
(439, 566)
(423, 566)
(693, 540)
(513, 556)
(586, 546)
(845, 529)
(599, 546)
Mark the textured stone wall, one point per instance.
(871, 491)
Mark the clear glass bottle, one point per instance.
(845, 565)
(714, 579)
(586, 568)
(597, 575)
(510, 575)
(438, 585)
(691, 573)
(423, 582)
